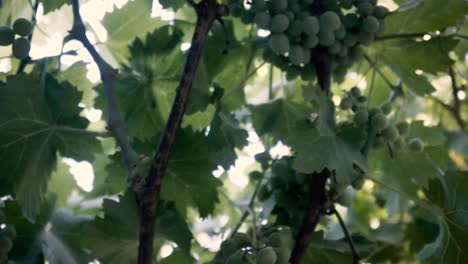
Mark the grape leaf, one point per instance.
(51, 5)
(449, 194)
(428, 16)
(174, 4)
(404, 57)
(119, 228)
(35, 123)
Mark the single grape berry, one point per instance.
(379, 122)
(311, 25)
(370, 24)
(259, 5)
(228, 247)
(399, 143)
(386, 108)
(403, 128)
(326, 38)
(330, 21)
(278, 6)
(346, 103)
(22, 27)
(365, 8)
(310, 42)
(279, 43)
(262, 19)
(276, 240)
(21, 48)
(266, 256)
(390, 134)
(296, 55)
(380, 12)
(5, 244)
(355, 92)
(6, 36)
(415, 145)
(279, 23)
(361, 117)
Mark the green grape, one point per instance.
(266, 256)
(355, 92)
(356, 53)
(340, 33)
(390, 134)
(326, 38)
(292, 73)
(290, 15)
(259, 5)
(21, 48)
(346, 198)
(247, 16)
(366, 38)
(350, 20)
(375, 111)
(380, 12)
(8, 231)
(386, 108)
(358, 183)
(311, 41)
(415, 145)
(276, 240)
(241, 240)
(5, 244)
(296, 28)
(346, 103)
(403, 128)
(379, 122)
(311, 25)
(262, 20)
(361, 117)
(6, 36)
(335, 48)
(330, 21)
(278, 6)
(296, 54)
(283, 254)
(399, 143)
(279, 23)
(2, 217)
(228, 247)
(350, 40)
(22, 27)
(370, 24)
(365, 8)
(279, 43)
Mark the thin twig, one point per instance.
(108, 76)
(356, 257)
(148, 191)
(249, 208)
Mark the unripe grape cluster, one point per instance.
(301, 27)
(20, 46)
(274, 248)
(7, 234)
(397, 134)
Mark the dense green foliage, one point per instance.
(390, 133)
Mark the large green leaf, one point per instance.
(404, 57)
(450, 195)
(37, 119)
(428, 16)
(113, 238)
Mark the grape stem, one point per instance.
(108, 76)
(354, 253)
(248, 210)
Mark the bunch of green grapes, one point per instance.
(301, 27)
(7, 234)
(21, 45)
(272, 249)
